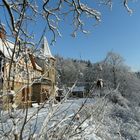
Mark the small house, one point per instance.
(78, 91)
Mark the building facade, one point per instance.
(29, 78)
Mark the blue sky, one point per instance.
(118, 32)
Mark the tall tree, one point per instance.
(115, 62)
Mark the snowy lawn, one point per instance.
(63, 114)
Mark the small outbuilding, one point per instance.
(78, 91)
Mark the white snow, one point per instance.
(6, 48)
(46, 49)
(68, 108)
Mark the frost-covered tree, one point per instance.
(114, 62)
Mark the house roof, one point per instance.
(78, 89)
(38, 59)
(6, 48)
(40, 62)
(46, 49)
(43, 53)
(34, 64)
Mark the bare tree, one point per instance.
(114, 62)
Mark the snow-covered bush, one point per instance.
(117, 98)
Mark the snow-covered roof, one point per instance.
(78, 89)
(46, 49)
(38, 67)
(44, 52)
(6, 48)
(40, 62)
(35, 65)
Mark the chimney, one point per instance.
(2, 32)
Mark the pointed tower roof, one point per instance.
(46, 49)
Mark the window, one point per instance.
(25, 94)
(48, 74)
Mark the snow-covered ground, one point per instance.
(103, 124)
(37, 119)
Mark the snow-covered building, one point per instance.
(78, 91)
(31, 76)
